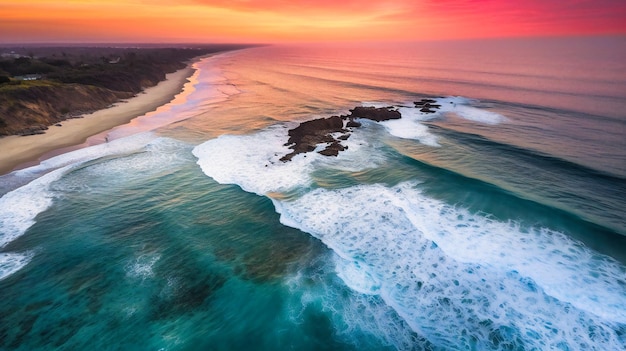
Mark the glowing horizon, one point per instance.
(276, 21)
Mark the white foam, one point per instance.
(459, 279)
(410, 126)
(564, 268)
(253, 161)
(115, 147)
(19, 207)
(356, 316)
(159, 156)
(461, 107)
(12, 262)
(142, 267)
(357, 276)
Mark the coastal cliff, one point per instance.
(30, 107)
(40, 87)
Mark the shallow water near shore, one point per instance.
(496, 223)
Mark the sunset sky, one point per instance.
(67, 21)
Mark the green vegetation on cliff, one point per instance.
(69, 81)
(31, 106)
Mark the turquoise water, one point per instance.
(495, 224)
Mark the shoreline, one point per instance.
(23, 151)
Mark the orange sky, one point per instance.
(36, 21)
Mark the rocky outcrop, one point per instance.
(375, 114)
(309, 134)
(427, 105)
(331, 131)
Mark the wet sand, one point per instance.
(19, 150)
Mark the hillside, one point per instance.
(69, 81)
(32, 106)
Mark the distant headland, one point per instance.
(43, 86)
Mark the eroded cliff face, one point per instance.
(30, 107)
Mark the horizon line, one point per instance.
(182, 43)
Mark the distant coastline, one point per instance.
(25, 150)
(73, 128)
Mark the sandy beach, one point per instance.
(18, 150)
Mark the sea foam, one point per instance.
(20, 207)
(456, 278)
(115, 147)
(253, 161)
(410, 126)
(18, 210)
(452, 299)
(11, 262)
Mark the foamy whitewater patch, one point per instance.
(18, 210)
(356, 317)
(408, 128)
(115, 147)
(410, 125)
(12, 262)
(142, 267)
(400, 245)
(564, 268)
(463, 108)
(253, 161)
(20, 207)
(159, 156)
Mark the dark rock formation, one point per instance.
(343, 137)
(333, 149)
(308, 135)
(425, 101)
(375, 114)
(353, 124)
(427, 105)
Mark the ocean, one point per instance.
(497, 222)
